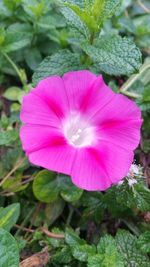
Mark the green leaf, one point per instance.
(17, 36)
(108, 254)
(68, 191)
(137, 197)
(33, 58)
(127, 246)
(142, 196)
(146, 94)
(15, 184)
(12, 5)
(45, 186)
(8, 137)
(143, 242)
(74, 20)
(80, 249)
(110, 7)
(12, 93)
(57, 64)
(2, 36)
(95, 206)
(142, 25)
(62, 255)
(9, 252)
(108, 250)
(114, 55)
(9, 216)
(91, 15)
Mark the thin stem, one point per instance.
(27, 218)
(12, 171)
(8, 191)
(133, 78)
(42, 229)
(130, 94)
(50, 234)
(22, 228)
(14, 67)
(146, 9)
(71, 211)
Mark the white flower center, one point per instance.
(78, 132)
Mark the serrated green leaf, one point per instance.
(57, 64)
(137, 197)
(9, 216)
(63, 255)
(108, 251)
(127, 246)
(9, 252)
(114, 55)
(68, 191)
(92, 14)
(45, 186)
(143, 242)
(110, 7)
(74, 20)
(80, 249)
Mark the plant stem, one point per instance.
(14, 67)
(130, 94)
(50, 234)
(134, 77)
(146, 9)
(18, 164)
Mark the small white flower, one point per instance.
(131, 182)
(134, 170)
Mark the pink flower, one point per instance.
(78, 126)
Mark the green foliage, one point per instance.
(128, 248)
(134, 197)
(17, 36)
(43, 38)
(92, 15)
(68, 191)
(143, 242)
(57, 64)
(114, 55)
(9, 216)
(9, 252)
(8, 137)
(107, 254)
(14, 94)
(46, 187)
(79, 248)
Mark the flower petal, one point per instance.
(52, 91)
(47, 147)
(35, 111)
(55, 158)
(35, 137)
(86, 92)
(100, 167)
(120, 122)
